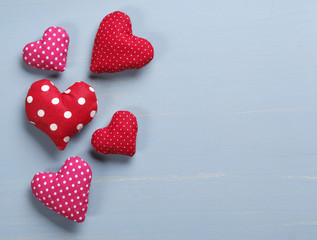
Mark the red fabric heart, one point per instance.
(119, 137)
(65, 192)
(116, 48)
(60, 115)
(49, 53)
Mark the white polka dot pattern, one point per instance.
(116, 48)
(60, 115)
(49, 53)
(65, 192)
(119, 137)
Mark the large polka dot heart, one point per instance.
(119, 137)
(60, 115)
(65, 192)
(49, 53)
(116, 48)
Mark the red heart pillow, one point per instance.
(116, 48)
(119, 137)
(65, 192)
(49, 53)
(60, 115)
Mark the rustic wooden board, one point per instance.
(227, 122)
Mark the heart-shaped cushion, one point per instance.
(60, 115)
(116, 48)
(49, 53)
(65, 192)
(119, 137)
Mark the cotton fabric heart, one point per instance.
(65, 192)
(116, 48)
(60, 115)
(49, 53)
(119, 137)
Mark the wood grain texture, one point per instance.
(227, 122)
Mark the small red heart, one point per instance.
(60, 115)
(65, 192)
(116, 48)
(119, 137)
(49, 53)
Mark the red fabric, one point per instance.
(119, 137)
(116, 48)
(49, 53)
(60, 115)
(65, 192)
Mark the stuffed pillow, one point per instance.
(116, 48)
(65, 192)
(49, 53)
(119, 137)
(60, 115)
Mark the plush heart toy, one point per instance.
(119, 137)
(65, 192)
(60, 115)
(49, 53)
(116, 48)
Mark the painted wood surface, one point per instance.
(227, 122)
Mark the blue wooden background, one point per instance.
(227, 144)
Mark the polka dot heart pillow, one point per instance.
(116, 48)
(60, 115)
(65, 192)
(119, 137)
(49, 53)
